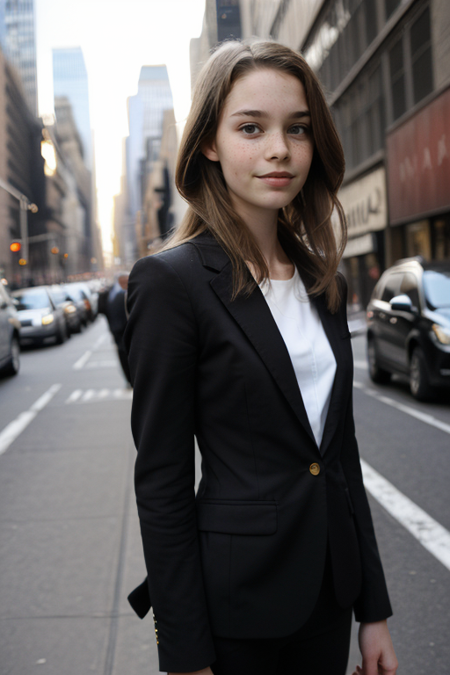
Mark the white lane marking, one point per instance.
(96, 395)
(99, 341)
(74, 396)
(360, 364)
(82, 360)
(15, 428)
(428, 532)
(45, 398)
(102, 364)
(423, 417)
(90, 393)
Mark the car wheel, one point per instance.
(418, 377)
(377, 374)
(13, 366)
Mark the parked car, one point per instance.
(91, 295)
(71, 314)
(41, 321)
(9, 335)
(81, 296)
(409, 326)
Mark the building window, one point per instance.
(422, 70)
(347, 30)
(360, 118)
(375, 112)
(397, 73)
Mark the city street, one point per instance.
(69, 538)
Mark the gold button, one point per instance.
(314, 469)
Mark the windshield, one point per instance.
(74, 293)
(32, 300)
(437, 288)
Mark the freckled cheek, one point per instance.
(303, 157)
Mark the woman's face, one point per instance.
(263, 141)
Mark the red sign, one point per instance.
(418, 156)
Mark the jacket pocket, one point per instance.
(237, 516)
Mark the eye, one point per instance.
(299, 130)
(250, 129)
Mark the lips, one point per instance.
(277, 178)
(277, 174)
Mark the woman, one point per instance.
(238, 336)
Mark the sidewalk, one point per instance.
(70, 545)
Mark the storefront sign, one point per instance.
(360, 246)
(418, 155)
(364, 203)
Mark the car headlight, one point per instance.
(442, 334)
(49, 318)
(70, 309)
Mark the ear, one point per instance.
(208, 148)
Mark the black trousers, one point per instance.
(319, 647)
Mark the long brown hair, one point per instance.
(305, 229)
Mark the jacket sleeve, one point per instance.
(161, 340)
(373, 602)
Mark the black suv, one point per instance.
(408, 327)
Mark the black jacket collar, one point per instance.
(255, 319)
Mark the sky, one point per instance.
(117, 37)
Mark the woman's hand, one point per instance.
(377, 650)
(205, 671)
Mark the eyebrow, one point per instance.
(259, 113)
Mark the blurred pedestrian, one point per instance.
(238, 334)
(113, 304)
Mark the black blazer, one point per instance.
(244, 557)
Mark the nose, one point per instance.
(277, 147)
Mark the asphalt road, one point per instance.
(70, 547)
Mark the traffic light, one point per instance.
(54, 250)
(15, 246)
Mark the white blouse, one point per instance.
(311, 355)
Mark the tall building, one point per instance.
(141, 155)
(223, 19)
(145, 119)
(70, 80)
(385, 67)
(21, 168)
(17, 40)
(79, 231)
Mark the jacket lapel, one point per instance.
(331, 327)
(255, 319)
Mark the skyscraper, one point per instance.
(70, 80)
(17, 40)
(145, 119)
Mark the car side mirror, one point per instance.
(402, 303)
